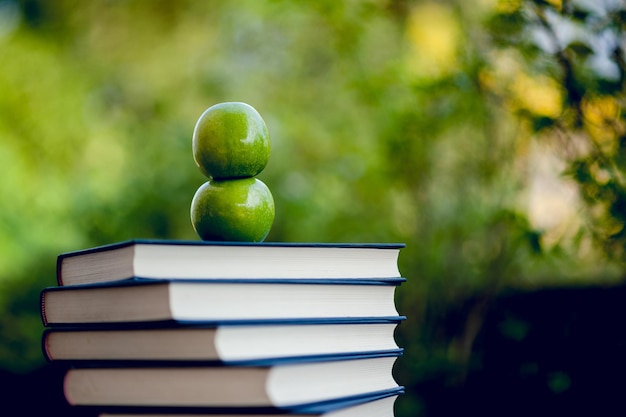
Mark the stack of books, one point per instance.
(160, 327)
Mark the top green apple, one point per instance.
(231, 140)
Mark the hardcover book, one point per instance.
(142, 300)
(282, 386)
(204, 260)
(222, 342)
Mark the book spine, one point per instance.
(59, 274)
(44, 348)
(42, 307)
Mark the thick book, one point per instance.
(141, 300)
(285, 385)
(225, 343)
(370, 406)
(147, 258)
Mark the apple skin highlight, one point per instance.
(230, 140)
(240, 210)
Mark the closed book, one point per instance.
(381, 405)
(284, 385)
(141, 300)
(222, 342)
(147, 258)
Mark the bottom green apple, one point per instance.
(240, 210)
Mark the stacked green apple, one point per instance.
(231, 146)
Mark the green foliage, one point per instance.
(401, 121)
(587, 61)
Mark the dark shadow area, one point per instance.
(37, 393)
(551, 351)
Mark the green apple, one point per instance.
(239, 210)
(231, 140)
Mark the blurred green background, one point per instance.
(487, 135)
